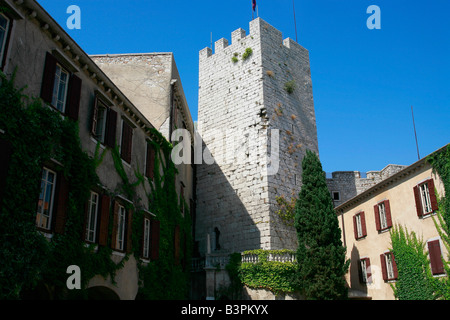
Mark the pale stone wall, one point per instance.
(243, 102)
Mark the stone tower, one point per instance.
(256, 118)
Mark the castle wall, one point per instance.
(239, 111)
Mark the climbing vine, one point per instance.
(39, 135)
(275, 276)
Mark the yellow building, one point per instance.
(408, 198)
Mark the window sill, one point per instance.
(118, 253)
(384, 230)
(428, 215)
(125, 163)
(93, 139)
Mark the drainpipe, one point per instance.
(172, 90)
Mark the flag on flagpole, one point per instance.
(254, 4)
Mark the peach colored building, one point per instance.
(408, 198)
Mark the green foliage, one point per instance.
(289, 86)
(415, 281)
(39, 134)
(271, 275)
(165, 279)
(286, 209)
(248, 52)
(440, 161)
(322, 255)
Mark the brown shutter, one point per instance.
(150, 165)
(94, 118)
(368, 270)
(127, 142)
(433, 198)
(129, 231)
(387, 208)
(5, 158)
(104, 221)
(154, 234)
(142, 237)
(377, 217)
(115, 225)
(360, 272)
(73, 97)
(355, 227)
(85, 223)
(418, 199)
(176, 242)
(384, 266)
(48, 79)
(62, 201)
(394, 264)
(434, 249)
(363, 224)
(111, 127)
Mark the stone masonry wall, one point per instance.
(351, 183)
(240, 106)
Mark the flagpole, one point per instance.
(415, 133)
(253, 11)
(295, 22)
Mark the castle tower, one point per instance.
(255, 102)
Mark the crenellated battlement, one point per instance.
(260, 31)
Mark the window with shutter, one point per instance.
(92, 217)
(111, 128)
(388, 266)
(5, 26)
(383, 218)
(365, 271)
(46, 200)
(146, 239)
(73, 97)
(127, 142)
(434, 250)
(99, 118)
(121, 228)
(104, 220)
(359, 223)
(425, 197)
(60, 88)
(154, 234)
(62, 202)
(150, 161)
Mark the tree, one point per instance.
(321, 255)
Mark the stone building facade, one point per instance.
(256, 119)
(407, 198)
(47, 59)
(152, 82)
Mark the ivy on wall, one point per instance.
(38, 135)
(415, 280)
(275, 276)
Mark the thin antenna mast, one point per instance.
(415, 133)
(295, 22)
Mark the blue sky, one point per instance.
(364, 81)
